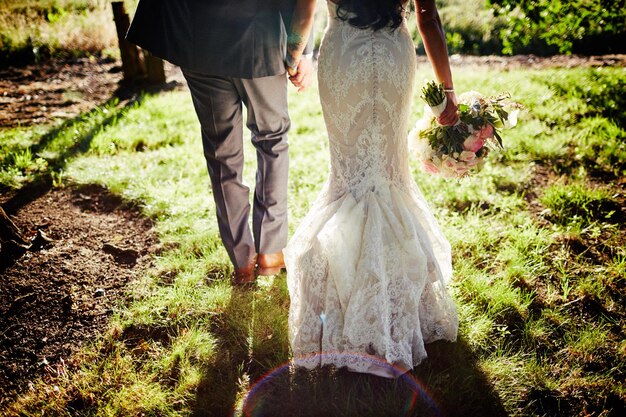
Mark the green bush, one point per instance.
(470, 26)
(564, 26)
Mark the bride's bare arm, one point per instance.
(434, 38)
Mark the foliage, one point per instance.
(470, 26)
(34, 30)
(578, 26)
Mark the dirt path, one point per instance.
(55, 299)
(38, 94)
(536, 62)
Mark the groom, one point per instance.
(233, 53)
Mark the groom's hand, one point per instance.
(304, 76)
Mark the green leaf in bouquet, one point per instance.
(498, 138)
(463, 108)
(495, 121)
(502, 114)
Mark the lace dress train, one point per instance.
(368, 266)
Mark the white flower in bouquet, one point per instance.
(511, 121)
(467, 156)
(418, 145)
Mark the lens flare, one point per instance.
(257, 400)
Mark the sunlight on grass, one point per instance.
(511, 377)
(476, 326)
(156, 122)
(577, 203)
(184, 363)
(537, 249)
(524, 252)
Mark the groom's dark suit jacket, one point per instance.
(232, 38)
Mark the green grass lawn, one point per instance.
(538, 242)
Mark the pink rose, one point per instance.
(449, 163)
(486, 132)
(461, 170)
(430, 167)
(467, 156)
(473, 143)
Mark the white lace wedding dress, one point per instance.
(368, 266)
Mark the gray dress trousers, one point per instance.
(232, 55)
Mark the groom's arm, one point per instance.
(308, 49)
(299, 37)
(299, 42)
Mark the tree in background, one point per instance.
(564, 26)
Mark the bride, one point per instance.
(368, 266)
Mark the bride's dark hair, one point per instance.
(374, 14)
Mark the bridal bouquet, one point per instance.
(452, 151)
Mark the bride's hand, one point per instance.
(450, 115)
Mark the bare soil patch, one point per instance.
(58, 90)
(38, 94)
(58, 298)
(55, 299)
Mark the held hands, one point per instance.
(450, 115)
(303, 76)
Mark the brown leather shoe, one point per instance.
(270, 263)
(246, 275)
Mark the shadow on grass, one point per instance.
(42, 183)
(84, 128)
(448, 383)
(217, 391)
(69, 140)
